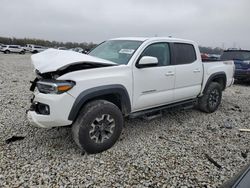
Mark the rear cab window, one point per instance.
(184, 53)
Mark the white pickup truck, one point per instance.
(122, 77)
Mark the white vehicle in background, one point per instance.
(1, 46)
(28, 47)
(35, 48)
(78, 49)
(122, 77)
(12, 49)
(62, 48)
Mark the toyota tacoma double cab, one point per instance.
(123, 77)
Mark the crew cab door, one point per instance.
(154, 85)
(189, 71)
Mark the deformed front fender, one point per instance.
(100, 91)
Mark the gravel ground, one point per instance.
(164, 152)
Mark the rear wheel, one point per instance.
(211, 98)
(7, 52)
(98, 126)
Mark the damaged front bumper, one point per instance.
(52, 112)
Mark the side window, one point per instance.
(184, 53)
(159, 50)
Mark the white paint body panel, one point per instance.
(188, 79)
(152, 87)
(60, 106)
(147, 88)
(90, 78)
(218, 66)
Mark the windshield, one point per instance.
(236, 55)
(118, 51)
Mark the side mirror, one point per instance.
(147, 61)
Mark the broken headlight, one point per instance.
(56, 87)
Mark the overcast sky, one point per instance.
(209, 22)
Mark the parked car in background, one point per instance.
(122, 77)
(78, 49)
(28, 47)
(214, 57)
(35, 48)
(241, 60)
(210, 57)
(1, 46)
(12, 49)
(62, 48)
(204, 56)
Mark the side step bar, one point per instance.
(182, 105)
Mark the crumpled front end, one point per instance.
(52, 102)
(49, 110)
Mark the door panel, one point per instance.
(188, 80)
(189, 72)
(153, 86)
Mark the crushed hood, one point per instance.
(53, 60)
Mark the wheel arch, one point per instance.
(116, 94)
(219, 77)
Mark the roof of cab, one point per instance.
(170, 39)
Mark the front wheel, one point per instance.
(211, 98)
(98, 126)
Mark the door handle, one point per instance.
(197, 70)
(170, 73)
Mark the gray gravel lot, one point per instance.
(165, 152)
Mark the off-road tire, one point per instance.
(212, 95)
(83, 125)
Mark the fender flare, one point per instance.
(214, 76)
(98, 92)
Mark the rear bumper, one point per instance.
(242, 74)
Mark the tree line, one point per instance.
(47, 43)
(209, 50)
(84, 45)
